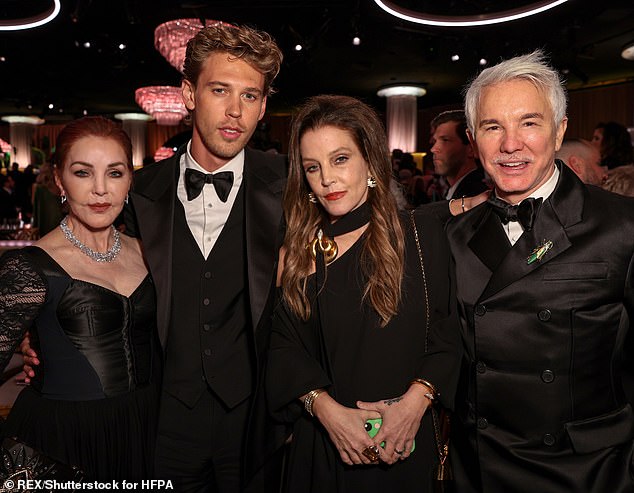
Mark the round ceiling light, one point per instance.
(47, 15)
(628, 51)
(467, 20)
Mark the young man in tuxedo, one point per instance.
(546, 297)
(210, 221)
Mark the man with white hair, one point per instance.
(546, 297)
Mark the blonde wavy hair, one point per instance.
(382, 253)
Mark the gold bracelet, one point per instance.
(433, 394)
(310, 399)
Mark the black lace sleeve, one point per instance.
(22, 294)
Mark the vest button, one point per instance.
(480, 310)
(481, 367)
(548, 376)
(482, 423)
(207, 352)
(549, 440)
(207, 275)
(206, 327)
(206, 301)
(544, 315)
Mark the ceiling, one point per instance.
(50, 64)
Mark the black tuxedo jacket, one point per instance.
(150, 216)
(540, 407)
(472, 184)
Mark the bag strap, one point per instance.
(440, 418)
(422, 269)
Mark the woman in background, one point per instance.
(84, 294)
(614, 143)
(367, 327)
(47, 210)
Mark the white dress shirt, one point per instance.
(206, 215)
(513, 229)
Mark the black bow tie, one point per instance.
(195, 180)
(524, 213)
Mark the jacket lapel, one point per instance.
(560, 211)
(264, 185)
(154, 209)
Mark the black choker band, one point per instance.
(324, 242)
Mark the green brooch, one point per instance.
(539, 252)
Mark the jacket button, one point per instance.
(549, 440)
(206, 301)
(482, 423)
(207, 352)
(548, 376)
(207, 275)
(480, 310)
(544, 315)
(206, 327)
(481, 367)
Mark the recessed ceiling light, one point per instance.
(628, 51)
(356, 41)
(86, 44)
(122, 46)
(467, 20)
(51, 106)
(298, 47)
(483, 61)
(455, 58)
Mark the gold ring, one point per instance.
(372, 453)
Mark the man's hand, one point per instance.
(30, 358)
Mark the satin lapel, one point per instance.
(489, 243)
(561, 210)
(154, 209)
(264, 185)
(470, 235)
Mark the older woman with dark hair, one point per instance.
(85, 295)
(366, 337)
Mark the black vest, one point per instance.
(209, 339)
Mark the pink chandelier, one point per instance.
(164, 103)
(171, 37)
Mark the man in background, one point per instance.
(454, 158)
(584, 159)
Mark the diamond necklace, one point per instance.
(108, 256)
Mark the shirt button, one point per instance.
(209, 205)
(206, 327)
(206, 301)
(549, 440)
(207, 352)
(548, 376)
(208, 238)
(544, 315)
(482, 423)
(481, 367)
(480, 310)
(207, 275)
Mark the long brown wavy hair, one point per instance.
(382, 253)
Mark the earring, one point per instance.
(371, 182)
(127, 198)
(63, 198)
(311, 198)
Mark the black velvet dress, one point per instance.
(93, 402)
(349, 354)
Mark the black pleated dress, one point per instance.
(93, 403)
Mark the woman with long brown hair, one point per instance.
(366, 336)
